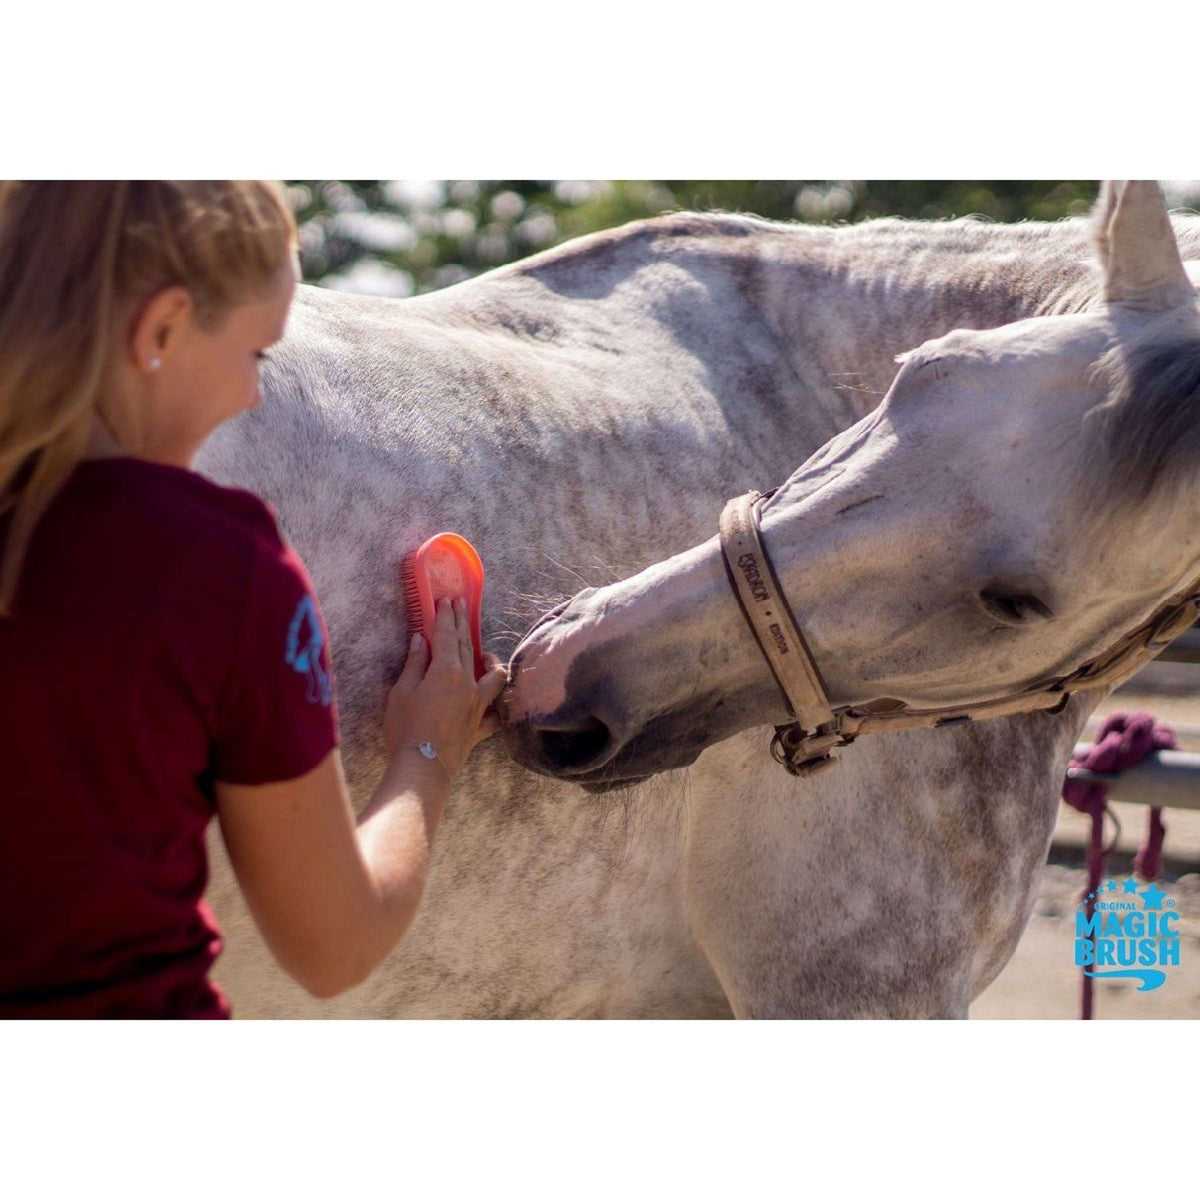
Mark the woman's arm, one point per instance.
(332, 897)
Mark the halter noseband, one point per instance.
(803, 745)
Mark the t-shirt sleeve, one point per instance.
(277, 718)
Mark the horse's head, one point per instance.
(1017, 502)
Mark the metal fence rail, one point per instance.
(1164, 779)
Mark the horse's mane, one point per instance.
(1149, 427)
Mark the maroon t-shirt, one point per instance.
(165, 636)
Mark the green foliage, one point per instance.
(402, 237)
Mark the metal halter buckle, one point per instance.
(805, 754)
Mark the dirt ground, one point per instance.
(1041, 980)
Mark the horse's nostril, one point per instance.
(578, 747)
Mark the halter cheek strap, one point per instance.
(803, 745)
(770, 619)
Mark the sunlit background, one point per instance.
(401, 237)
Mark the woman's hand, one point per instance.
(439, 700)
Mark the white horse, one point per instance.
(585, 413)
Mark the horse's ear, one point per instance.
(1138, 253)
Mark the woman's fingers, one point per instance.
(437, 676)
(415, 664)
(445, 633)
(466, 646)
(492, 684)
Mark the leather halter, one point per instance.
(803, 745)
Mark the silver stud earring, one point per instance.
(155, 363)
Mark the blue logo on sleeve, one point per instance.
(1113, 931)
(304, 642)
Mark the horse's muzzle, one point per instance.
(571, 740)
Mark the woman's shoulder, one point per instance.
(176, 499)
(151, 537)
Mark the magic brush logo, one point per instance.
(1113, 931)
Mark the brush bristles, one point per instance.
(412, 597)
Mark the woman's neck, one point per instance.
(101, 443)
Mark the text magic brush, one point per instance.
(445, 565)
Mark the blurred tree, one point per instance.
(401, 237)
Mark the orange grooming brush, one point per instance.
(445, 565)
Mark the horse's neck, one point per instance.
(851, 299)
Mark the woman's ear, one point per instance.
(159, 325)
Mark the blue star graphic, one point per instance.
(1112, 885)
(1153, 897)
(1130, 888)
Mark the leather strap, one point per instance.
(768, 614)
(770, 619)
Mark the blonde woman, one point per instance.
(162, 653)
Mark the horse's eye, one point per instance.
(1013, 608)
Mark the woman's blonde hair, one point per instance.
(71, 256)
